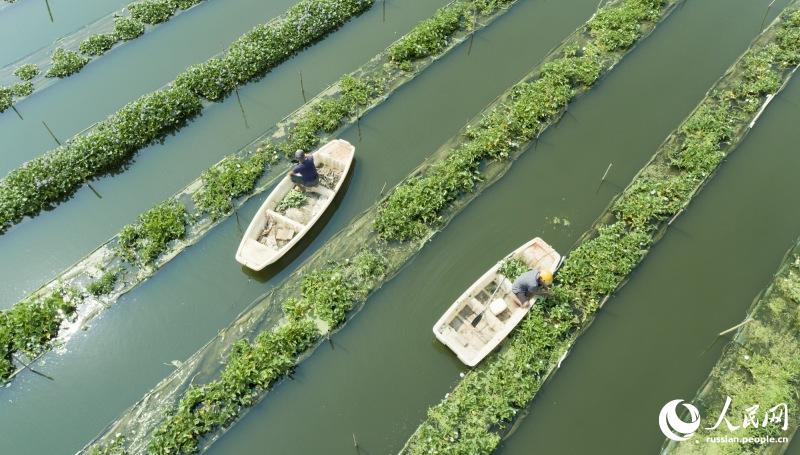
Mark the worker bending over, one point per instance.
(530, 284)
(305, 172)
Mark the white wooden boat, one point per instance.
(500, 315)
(271, 234)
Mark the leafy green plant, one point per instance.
(65, 62)
(654, 197)
(232, 177)
(293, 199)
(29, 326)
(6, 98)
(431, 35)
(152, 11)
(98, 44)
(22, 89)
(128, 28)
(27, 71)
(414, 206)
(328, 114)
(46, 179)
(619, 26)
(143, 241)
(266, 45)
(186, 4)
(114, 447)
(104, 284)
(42, 182)
(762, 367)
(251, 368)
(511, 268)
(490, 395)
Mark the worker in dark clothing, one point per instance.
(530, 284)
(305, 172)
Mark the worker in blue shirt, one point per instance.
(305, 172)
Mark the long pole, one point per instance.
(51, 133)
(603, 178)
(472, 35)
(302, 87)
(766, 13)
(241, 107)
(18, 114)
(28, 367)
(49, 11)
(725, 332)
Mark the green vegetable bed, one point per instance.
(469, 420)
(45, 181)
(761, 366)
(162, 232)
(129, 24)
(320, 287)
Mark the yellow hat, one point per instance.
(547, 277)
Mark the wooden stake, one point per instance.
(330, 342)
(28, 367)
(606, 172)
(236, 212)
(51, 133)
(766, 13)
(725, 332)
(241, 107)
(358, 124)
(18, 114)
(93, 190)
(355, 443)
(381, 193)
(603, 179)
(302, 87)
(472, 35)
(49, 11)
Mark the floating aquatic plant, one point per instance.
(128, 28)
(27, 71)
(142, 242)
(152, 11)
(42, 182)
(104, 284)
(29, 326)
(490, 396)
(98, 44)
(65, 62)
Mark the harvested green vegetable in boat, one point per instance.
(293, 199)
(512, 268)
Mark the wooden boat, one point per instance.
(501, 311)
(271, 234)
